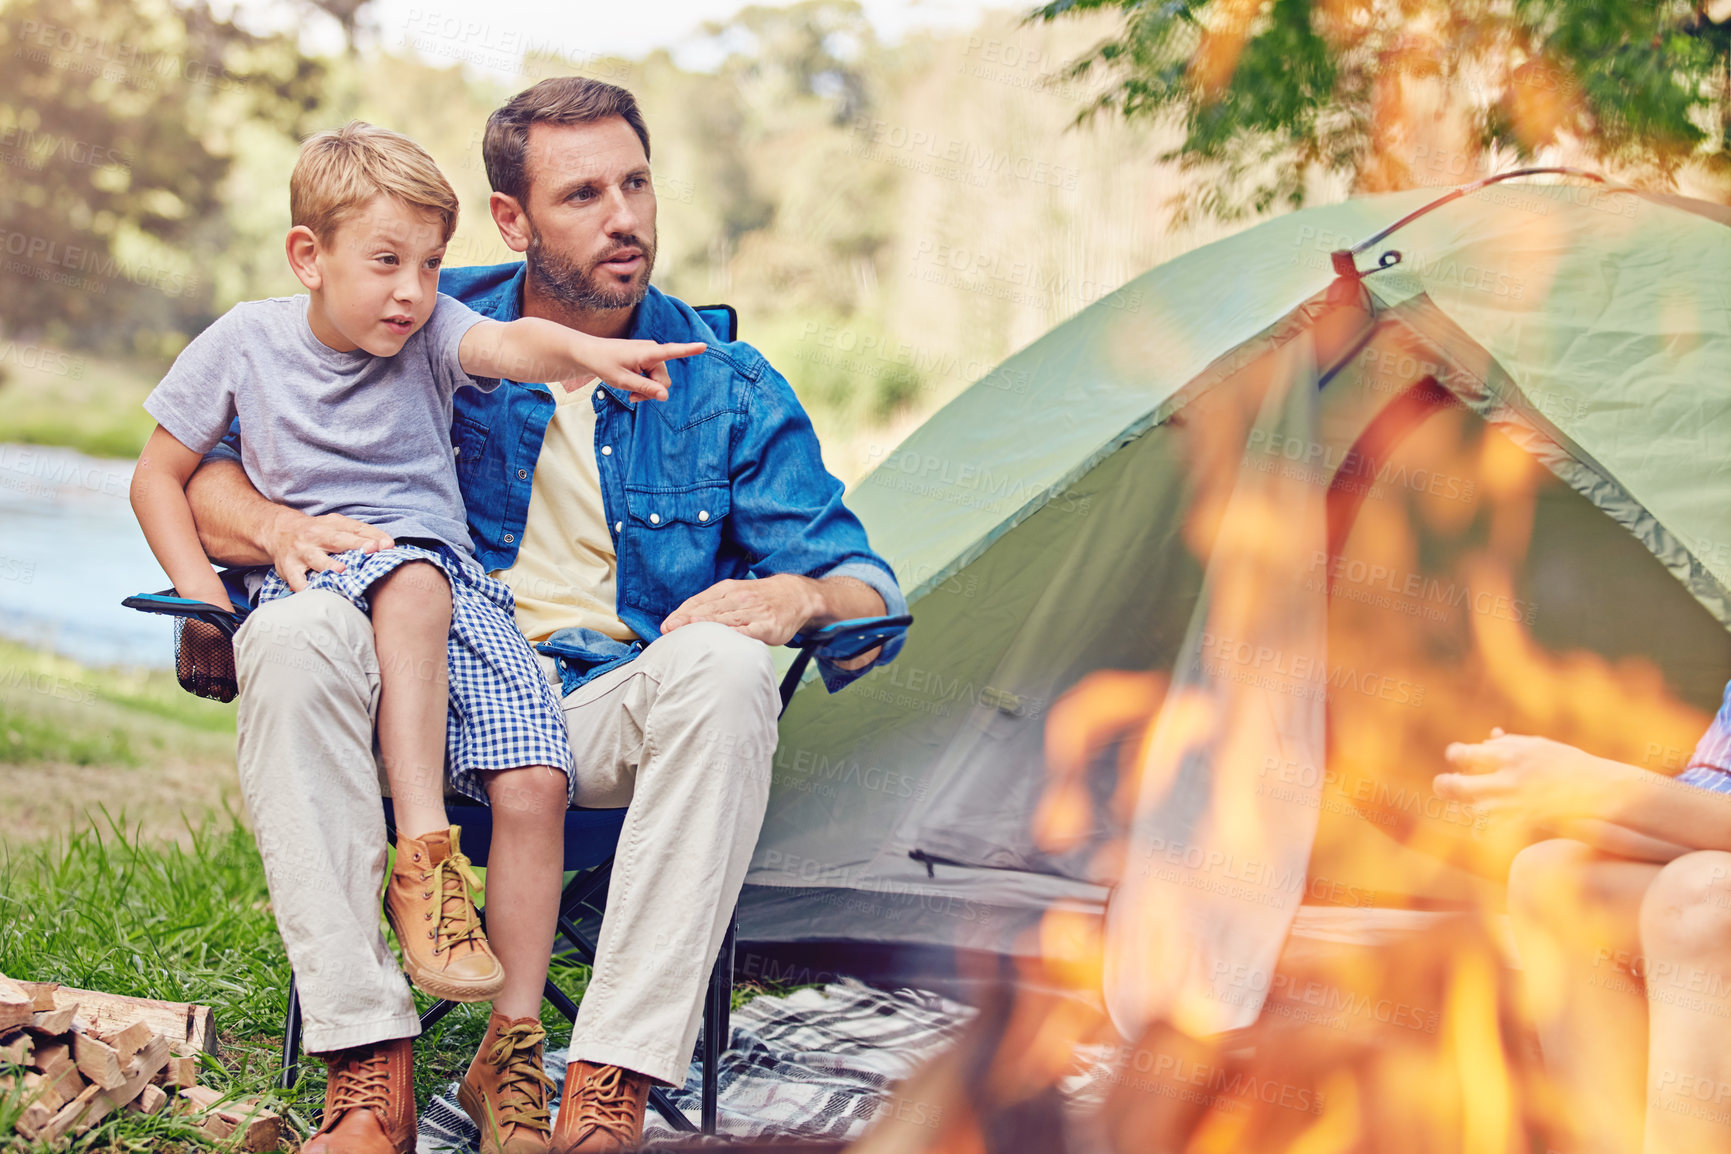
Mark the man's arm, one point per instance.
(788, 515)
(238, 526)
(1556, 787)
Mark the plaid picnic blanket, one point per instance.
(815, 1064)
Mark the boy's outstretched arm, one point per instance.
(159, 501)
(535, 349)
(1548, 785)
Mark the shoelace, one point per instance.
(455, 881)
(523, 1086)
(608, 1105)
(360, 1084)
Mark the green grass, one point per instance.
(54, 709)
(107, 909)
(80, 401)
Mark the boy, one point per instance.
(345, 396)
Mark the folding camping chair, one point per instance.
(590, 834)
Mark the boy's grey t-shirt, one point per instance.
(327, 432)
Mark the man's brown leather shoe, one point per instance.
(430, 903)
(505, 1091)
(602, 1109)
(369, 1101)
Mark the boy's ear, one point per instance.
(303, 250)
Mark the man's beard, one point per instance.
(575, 287)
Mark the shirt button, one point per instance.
(619, 526)
(703, 514)
(522, 474)
(606, 450)
(510, 537)
(456, 450)
(655, 518)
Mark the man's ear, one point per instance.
(512, 221)
(303, 251)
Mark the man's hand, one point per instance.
(1522, 780)
(299, 543)
(771, 609)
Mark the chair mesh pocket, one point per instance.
(204, 659)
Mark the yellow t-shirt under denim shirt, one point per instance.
(565, 572)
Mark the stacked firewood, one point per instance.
(85, 1054)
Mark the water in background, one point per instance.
(69, 551)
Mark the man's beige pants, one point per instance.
(683, 735)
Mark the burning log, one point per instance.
(85, 1054)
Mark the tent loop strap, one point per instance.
(1345, 260)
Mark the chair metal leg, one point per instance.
(717, 1010)
(436, 1012)
(291, 1038)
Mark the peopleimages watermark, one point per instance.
(1347, 469)
(22, 148)
(1409, 593)
(45, 472)
(461, 37)
(1014, 65)
(989, 272)
(67, 49)
(860, 894)
(811, 771)
(49, 685)
(1373, 799)
(84, 268)
(1301, 675)
(1219, 1087)
(41, 359)
(1251, 880)
(865, 354)
(968, 162)
(971, 484)
(1314, 1000)
(1448, 268)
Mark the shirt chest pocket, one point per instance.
(670, 550)
(468, 442)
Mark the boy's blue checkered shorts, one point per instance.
(502, 712)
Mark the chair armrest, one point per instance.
(170, 604)
(845, 640)
(841, 641)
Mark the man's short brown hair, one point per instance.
(556, 100)
(341, 169)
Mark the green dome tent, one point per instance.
(1555, 356)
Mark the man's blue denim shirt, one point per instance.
(724, 479)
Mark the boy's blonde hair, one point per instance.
(341, 169)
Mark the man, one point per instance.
(656, 550)
(1624, 931)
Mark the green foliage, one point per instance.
(117, 120)
(1270, 95)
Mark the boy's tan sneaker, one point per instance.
(602, 1109)
(369, 1101)
(430, 903)
(506, 1091)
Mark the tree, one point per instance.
(1274, 93)
(117, 127)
